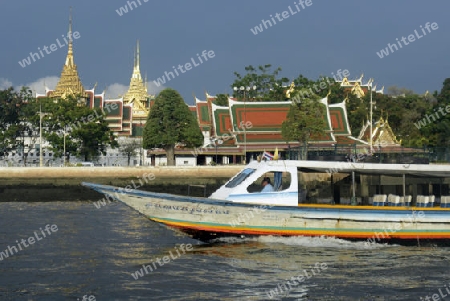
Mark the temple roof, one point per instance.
(263, 119)
(203, 113)
(69, 83)
(339, 120)
(357, 87)
(382, 134)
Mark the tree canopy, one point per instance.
(410, 115)
(86, 132)
(130, 148)
(171, 123)
(269, 87)
(304, 119)
(14, 117)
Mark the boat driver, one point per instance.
(267, 187)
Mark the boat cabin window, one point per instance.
(240, 177)
(279, 180)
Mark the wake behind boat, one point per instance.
(239, 208)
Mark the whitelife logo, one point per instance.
(411, 38)
(53, 47)
(166, 259)
(11, 250)
(124, 9)
(280, 17)
(188, 66)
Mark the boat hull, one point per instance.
(207, 219)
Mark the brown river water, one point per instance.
(100, 254)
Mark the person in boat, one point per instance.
(267, 186)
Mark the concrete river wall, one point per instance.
(63, 183)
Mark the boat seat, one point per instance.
(422, 201)
(431, 202)
(419, 200)
(406, 200)
(379, 199)
(394, 200)
(425, 200)
(445, 201)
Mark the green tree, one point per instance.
(93, 137)
(170, 123)
(302, 82)
(221, 100)
(130, 148)
(87, 132)
(440, 128)
(269, 87)
(398, 91)
(304, 120)
(14, 116)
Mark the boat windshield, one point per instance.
(240, 177)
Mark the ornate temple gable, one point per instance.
(345, 82)
(137, 94)
(382, 134)
(203, 112)
(339, 120)
(357, 87)
(357, 90)
(385, 135)
(222, 124)
(69, 83)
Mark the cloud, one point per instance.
(39, 85)
(154, 89)
(5, 84)
(117, 90)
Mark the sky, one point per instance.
(313, 38)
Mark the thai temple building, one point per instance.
(236, 133)
(133, 107)
(69, 84)
(357, 87)
(241, 131)
(125, 115)
(382, 134)
(244, 130)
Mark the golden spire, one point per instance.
(69, 58)
(69, 83)
(146, 82)
(137, 57)
(136, 71)
(134, 62)
(137, 92)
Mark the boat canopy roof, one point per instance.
(419, 170)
